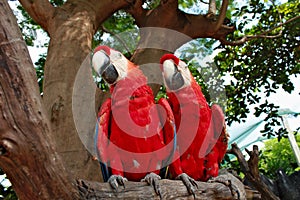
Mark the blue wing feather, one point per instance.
(168, 136)
(104, 169)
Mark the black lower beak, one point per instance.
(110, 74)
(175, 82)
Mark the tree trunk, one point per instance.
(71, 28)
(26, 146)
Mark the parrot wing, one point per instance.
(220, 132)
(169, 135)
(102, 137)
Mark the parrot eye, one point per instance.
(119, 55)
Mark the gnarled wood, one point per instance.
(26, 147)
(170, 190)
(250, 169)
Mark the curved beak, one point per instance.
(104, 68)
(172, 76)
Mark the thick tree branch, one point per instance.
(250, 169)
(137, 11)
(41, 11)
(172, 4)
(27, 153)
(246, 38)
(168, 16)
(222, 15)
(169, 189)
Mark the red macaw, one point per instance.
(201, 136)
(135, 138)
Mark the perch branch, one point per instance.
(170, 190)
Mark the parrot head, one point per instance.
(176, 73)
(110, 64)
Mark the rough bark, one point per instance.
(26, 146)
(250, 169)
(170, 190)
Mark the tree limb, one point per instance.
(250, 169)
(41, 11)
(172, 4)
(212, 7)
(137, 11)
(222, 15)
(170, 189)
(246, 38)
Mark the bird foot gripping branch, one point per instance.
(116, 180)
(237, 188)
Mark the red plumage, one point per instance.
(199, 128)
(135, 135)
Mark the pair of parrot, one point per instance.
(140, 140)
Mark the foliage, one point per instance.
(6, 192)
(39, 67)
(277, 155)
(261, 65)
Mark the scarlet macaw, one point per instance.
(194, 119)
(135, 138)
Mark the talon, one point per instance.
(236, 187)
(189, 182)
(153, 180)
(116, 180)
(219, 179)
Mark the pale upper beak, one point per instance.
(104, 67)
(172, 76)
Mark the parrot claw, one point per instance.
(189, 182)
(116, 180)
(153, 180)
(236, 186)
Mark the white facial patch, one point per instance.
(120, 63)
(185, 72)
(169, 70)
(98, 60)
